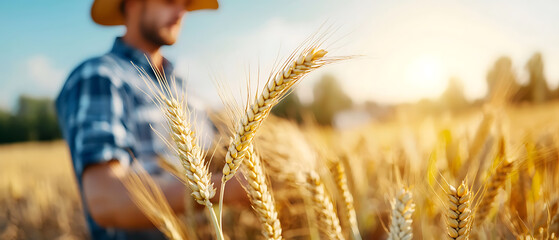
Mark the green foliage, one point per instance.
(34, 120)
(290, 108)
(329, 99)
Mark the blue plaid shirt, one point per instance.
(104, 115)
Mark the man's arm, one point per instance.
(110, 206)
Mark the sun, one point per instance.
(425, 74)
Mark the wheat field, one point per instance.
(404, 179)
(39, 198)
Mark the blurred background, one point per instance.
(429, 56)
(409, 51)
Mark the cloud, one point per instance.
(41, 73)
(36, 75)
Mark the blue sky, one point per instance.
(410, 48)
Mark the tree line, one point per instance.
(329, 99)
(34, 120)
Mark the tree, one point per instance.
(502, 82)
(537, 86)
(329, 99)
(35, 119)
(290, 108)
(39, 116)
(453, 97)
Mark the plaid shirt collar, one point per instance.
(138, 57)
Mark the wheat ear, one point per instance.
(261, 197)
(174, 108)
(323, 206)
(401, 220)
(496, 181)
(190, 154)
(341, 182)
(197, 174)
(185, 145)
(459, 214)
(145, 193)
(276, 88)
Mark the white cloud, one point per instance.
(36, 75)
(44, 78)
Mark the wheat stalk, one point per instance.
(190, 154)
(323, 206)
(261, 197)
(496, 181)
(459, 214)
(482, 133)
(176, 113)
(178, 173)
(185, 145)
(149, 198)
(276, 88)
(197, 174)
(341, 182)
(401, 221)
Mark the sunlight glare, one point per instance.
(426, 75)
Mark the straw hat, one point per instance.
(107, 12)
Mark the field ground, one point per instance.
(38, 193)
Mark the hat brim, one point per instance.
(107, 12)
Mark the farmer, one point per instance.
(106, 118)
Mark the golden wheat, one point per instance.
(492, 187)
(149, 198)
(184, 138)
(185, 145)
(261, 197)
(459, 215)
(275, 89)
(322, 203)
(401, 220)
(341, 182)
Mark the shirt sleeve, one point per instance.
(92, 115)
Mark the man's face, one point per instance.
(160, 20)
